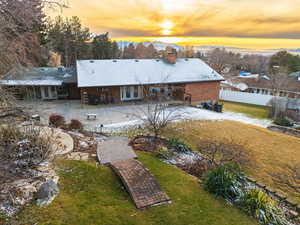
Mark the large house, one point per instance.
(122, 80)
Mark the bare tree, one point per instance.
(20, 22)
(278, 78)
(225, 151)
(156, 113)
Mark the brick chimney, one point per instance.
(171, 56)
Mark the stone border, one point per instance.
(281, 197)
(285, 130)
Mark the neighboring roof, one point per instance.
(122, 72)
(292, 83)
(41, 76)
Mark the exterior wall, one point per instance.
(94, 91)
(74, 91)
(203, 92)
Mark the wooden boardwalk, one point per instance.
(140, 183)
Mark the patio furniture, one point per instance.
(91, 116)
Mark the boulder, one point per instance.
(47, 192)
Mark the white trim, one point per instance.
(123, 90)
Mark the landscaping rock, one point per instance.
(47, 192)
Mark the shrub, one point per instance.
(262, 207)
(56, 120)
(283, 122)
(75, 125)
(222, 152)
(197, 168)
(226, 181)
(178, 145)
(21, 150)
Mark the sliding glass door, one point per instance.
(131, 93)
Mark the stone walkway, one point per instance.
(140, 183)
(114, 149)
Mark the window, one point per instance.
(136, 92)
(128, 92)
(46, 91)
(101, 89)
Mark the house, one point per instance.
(263, 85)
(122, 80)
(46, 83)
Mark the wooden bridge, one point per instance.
(139, 182)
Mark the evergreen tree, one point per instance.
(104, 48)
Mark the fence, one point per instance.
(244, 97)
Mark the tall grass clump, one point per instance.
(227, 182)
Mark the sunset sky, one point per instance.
(258, 24)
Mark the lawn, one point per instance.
(270, 152)
(255, 111)
(93, 194)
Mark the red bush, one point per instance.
(75, 125)
(56, 120)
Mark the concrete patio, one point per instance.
(122, 116)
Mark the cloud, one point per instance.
(231, 18)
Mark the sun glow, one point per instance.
(166, 27)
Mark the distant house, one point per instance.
(121, 80)
(46, 83)
(262, 85)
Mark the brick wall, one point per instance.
(202, 92)
(94, 91)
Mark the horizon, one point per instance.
(262, 26)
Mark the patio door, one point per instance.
(130, 93)
(49, 92)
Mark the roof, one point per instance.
(292, 83)
(124, 72)
(41, 76)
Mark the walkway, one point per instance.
(139, 182)
(114, 149)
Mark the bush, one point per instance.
(222, 152)
(56, 120)
(283, 122)
(178, 145)
(75, 125)
(226, 181)
(262, 207)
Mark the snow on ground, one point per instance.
(191, 113)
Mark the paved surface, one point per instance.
(114, 149)
(120, 116)
(140, 183)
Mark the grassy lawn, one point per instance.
(255, 111)
(270, 152)
(94, 195)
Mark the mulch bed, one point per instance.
(147, 143)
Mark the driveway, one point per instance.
(122, 116)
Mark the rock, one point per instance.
(83, 144)
(78, 156)
(294, 214)
(47, 192)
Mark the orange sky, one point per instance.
(257, 24)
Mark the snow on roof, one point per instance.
(31, 82)
(40, 76)
(121, 72)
